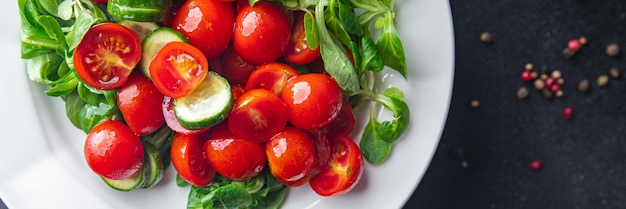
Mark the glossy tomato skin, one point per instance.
(113, 151)
(107, 55)
(291, 156)
(322, 150)
(171, 121)
(189, 159)
(140, 104)
(234, 68)
(344, 123)
(236, 159)
(208, 24)
(298, 51)
(178, 68)
(344, 169)
(262, 33)
(313, 100)
(271, 76)
(257, 115)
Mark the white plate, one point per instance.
(41, 157)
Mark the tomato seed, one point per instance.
(536, 165)
(568, 112)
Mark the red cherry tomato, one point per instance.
(236, 159)
(343, 171)
(322, 150)
(271, 76)
(344, 123)
(298, 51)
(140, 104)
(291, 156)
(257, 115)
(107, 55)
(113, 151)
(221, 131)
(262, 33)
(235, 69)
(313, 100)
(237, 91)
(208, 24)
(170, 118)
(189, 159)
(178, 68)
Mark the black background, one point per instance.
(584, 158)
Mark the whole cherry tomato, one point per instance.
(189, 159)
(234, 68)
(236, 159)
(107, 55)
(178, 68)
(313, 100)
(344, 123)
(208, 24)
(113, 151)
(271, 76)
(257, 115)
(344, 169)
(291, 156)
(140, 104)
(171, 120)
(262, 33)
(298, 51)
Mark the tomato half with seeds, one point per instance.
(291, 156)
(113, 151)
(107, 55)
(313, 100)
(298, 51)
(189, 160)
(271, 76)
(344, 169)
(236, 159)
(258, 114)
(178, 68)
(140, 104)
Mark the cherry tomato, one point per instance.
(237, 91)
(208, 24)
(178, 68)
(189, 159)
(170, 118)
(271, 76)
(262, 33)
(257, 115)
(235, 69)
(113, 151)
(291, 156)
(107, 55)
(322, 150)
(344, 123)
(140, 104)
(221, 131)
(298, 51)
(313, 100)
(344, 169)
(236, 159)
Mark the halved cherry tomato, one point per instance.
(235, 69)
(322, 150)
(344, 123)
(262, 33)
(271, 76)
(178, 68)
(236, 159)
(291, 156)
(140, 104)
(208, 24)
(313, 100)
(344, 169)
(257, 115)
(298, 51)
(113, 151)
(170, 118)
(107, 55)
(189, 159)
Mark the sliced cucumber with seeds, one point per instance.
(142, 29)
(125, 184)
(153, 44)
(152, 167)
(207, 105)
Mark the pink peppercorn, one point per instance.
(527, 76)
(536, 165)
(568, 113)
(550, 81)
(555, 87)
(574, 45)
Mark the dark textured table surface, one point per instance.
(483, 159)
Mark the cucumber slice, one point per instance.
(207, 105)
(125, 184)
(152, 167)
(142, 29)
(153, 44)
